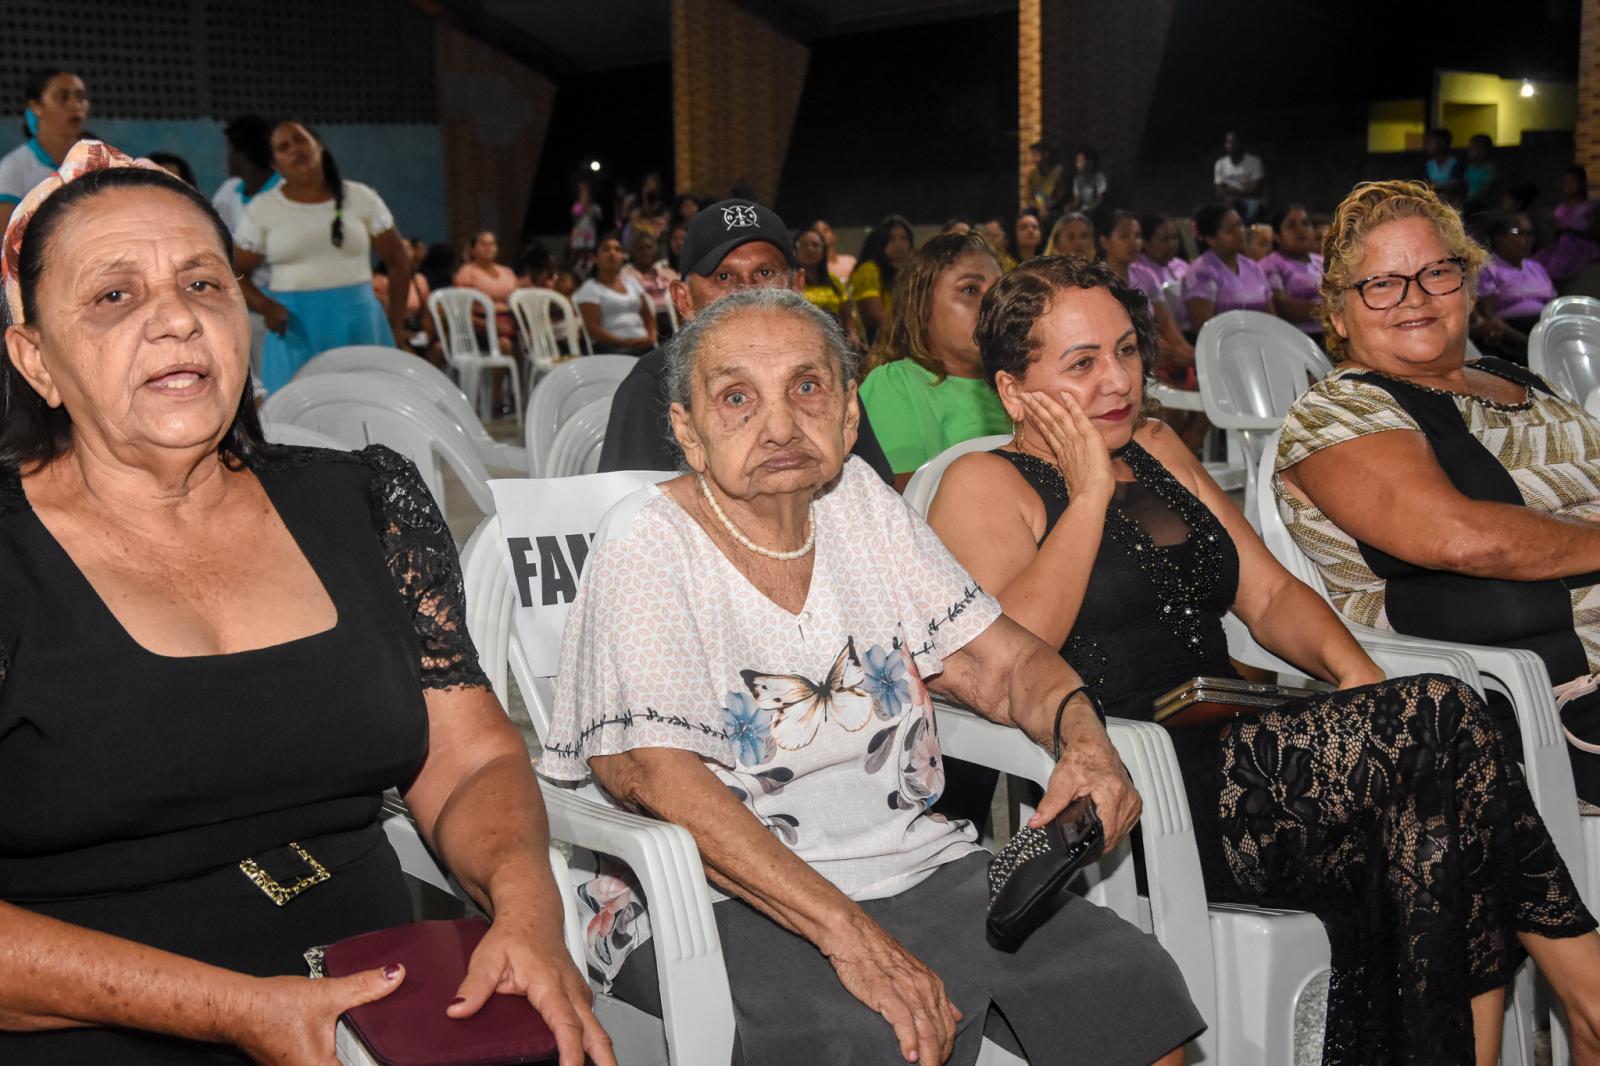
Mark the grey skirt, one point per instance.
(1086, 987)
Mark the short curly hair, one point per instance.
(1370, 205)
(1013, 307)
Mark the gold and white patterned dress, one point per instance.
(1549, 446)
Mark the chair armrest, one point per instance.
(512, 457)
(1522, 676)
(697, 1008)
(967, 735)
(415, 858)
(1176, 399)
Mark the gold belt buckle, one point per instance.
(281, 894)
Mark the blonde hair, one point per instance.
(1053, 245)
(1370, 205)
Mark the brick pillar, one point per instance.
(1588, 139)
(1100, 60)
(1030, 102)
(494, 114)
(736, 85)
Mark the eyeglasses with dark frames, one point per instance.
(1441, 277)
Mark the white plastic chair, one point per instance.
(576, 449)
(453, 310)
(360, 409)
(1592, 404)
(1571, 305)
(1565, 351)
(428, 380)
(925, 481)
(565, 391)
(534, 310)
(300, 436)
(1252, 367)
(1520, 676)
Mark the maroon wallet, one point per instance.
(409, 1027)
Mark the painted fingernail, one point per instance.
(391, 971)
(458, 1001)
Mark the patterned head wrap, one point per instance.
(84, 158)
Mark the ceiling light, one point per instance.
(1527, 88)
(594, 164)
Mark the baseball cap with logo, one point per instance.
(724, 226)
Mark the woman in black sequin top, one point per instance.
(1387, 807)
(215, 657)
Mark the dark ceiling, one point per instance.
(561, 36)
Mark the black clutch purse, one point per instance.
(1037, 864)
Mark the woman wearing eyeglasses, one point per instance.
(1439, 499)
(1512, 290)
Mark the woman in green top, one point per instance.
(925, 389)
(884, 253)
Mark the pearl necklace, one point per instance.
(738, 534)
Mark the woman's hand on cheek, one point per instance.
(1080, 452)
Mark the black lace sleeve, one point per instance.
(426, 568)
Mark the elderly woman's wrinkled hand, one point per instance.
(290, 1021)
(527, 958)
(876, 969)
(1090, 766)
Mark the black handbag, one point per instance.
(1037, 864)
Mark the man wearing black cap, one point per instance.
(731, 245)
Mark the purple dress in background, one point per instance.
(1523, 290)
(1148, 276)
(1210, 279)
(1297, 278)
(1572, 251)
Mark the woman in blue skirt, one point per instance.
(316, 233)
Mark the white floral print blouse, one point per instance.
(819, 721)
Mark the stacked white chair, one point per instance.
(1565, 350)
(1571, 305)
(1252, 367)
(565, 391)
(429, 381)
(358, 410)
(1519, 675)
(299, 436)
(456, 312)
(576, 449)
(1263, 971)
(534, 310)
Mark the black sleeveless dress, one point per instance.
(133, 784)
(1390, 811)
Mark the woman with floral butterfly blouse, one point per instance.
(751, 660)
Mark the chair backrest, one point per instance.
(534, 310)
(1172, 295)
(362, 409)
(565, 391)
(1592, 404)
(1565, 351)
(453, 309)
(1274, 530)
(537, 518)
(299, 436)
(576, 449)
(428, 381)
(1252, 367)
(1571, 305)
(924, 483)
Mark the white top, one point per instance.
(1240, 174)
(21, 169)
(230, 201)
(819, 722)
(619, 311)
(294, 238)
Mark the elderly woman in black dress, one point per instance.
(212, 651)
(1387, 807)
